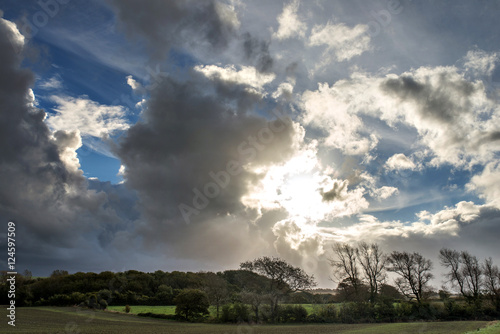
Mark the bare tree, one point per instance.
(450, 259)
(373, 261)
(492, 282)
(464, 273)
(415, 273)
(472, 273)
(283, 278)
(345, 265)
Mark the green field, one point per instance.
(171, 309)
(74, 320)
(145, 309)
(493, 328)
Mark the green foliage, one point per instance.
(191, 304)
(235, 313)
(292, 313)
(327, 313)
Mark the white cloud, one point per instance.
(68, 142)
(400, 161)
(384, 192)
(284, 90)
(135, 85)
(487, 184)
(87, 116)
(343, 41)
(247, 75)
(480, 62)
(453, 116)
(52, 83)
(304, 191)
(455, 120)
(331, 109)
(227, 14)
(16, 38)
(446, 222)
(289, 22)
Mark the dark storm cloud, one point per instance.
(337, 193)
(194, 150)
(41, 188)
(163, 24)
(439, 105)
(258, 52)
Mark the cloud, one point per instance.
(289, 22)
(87, 116)
(344, 42)
(165, 24)
(447, 222)
(384, 192)
(455, 120)
(41, 186)
(487, 183)
(135, 85)
(452, 115)
(258, 52)
(50, 84)
(327, 109)
(480, 62)
(198, 141)
(399, 162)
(247, 76)
(13, 35)
(284, 91)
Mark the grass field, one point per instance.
(171, 309)
(144, 309)
(73, 320)
(493, 328)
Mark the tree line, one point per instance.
(471, 288)
(269, 289)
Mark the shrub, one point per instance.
(384, 312)
(326, 313)
(235, 313)
(403, 311)
(348, 313)
(159, 316)
(127, 309)
(292, 313)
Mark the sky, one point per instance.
(196, 135)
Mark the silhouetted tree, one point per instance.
(492, 282)
(464, 273)
(283, 278)
(345, 266)
(415, 273)
(373, 261)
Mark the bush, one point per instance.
(348, 313)
(326, 313)
(127, 309)
(384, 312)
(403, 311)
(292, 313)
(235, 313)
(159, 316)
(59, 300)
